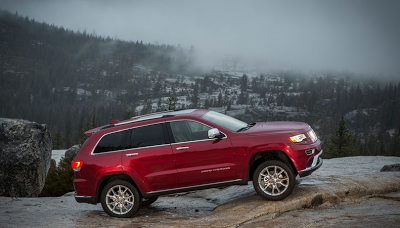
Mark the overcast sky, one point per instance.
(353, 35)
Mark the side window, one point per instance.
(187, 130)
(151, 135)
(113, 142)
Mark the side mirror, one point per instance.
(214, 133)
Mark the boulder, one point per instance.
(25, 155)
(71, 152)
(391, 168)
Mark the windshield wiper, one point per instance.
(247, 127)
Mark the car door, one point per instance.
(200, 160)
(150, 158)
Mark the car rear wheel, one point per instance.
(273, 180)
(147, 202)
(120, 199)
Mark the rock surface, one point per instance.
(72, 151)
(381, 210)
(391, 168)
(345, 192)
(25, 155)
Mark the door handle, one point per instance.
(182, 148)
(133, 154)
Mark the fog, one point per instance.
(359, 36)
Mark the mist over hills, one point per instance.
(73, 81)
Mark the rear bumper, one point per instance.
(316, 164)
(85, 199)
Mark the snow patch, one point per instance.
(57, 155)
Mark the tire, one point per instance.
(147, 202)
(119, 205)
(273, 180)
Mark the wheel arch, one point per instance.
(107, 179)
(257, 158)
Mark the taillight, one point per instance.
(76, 165)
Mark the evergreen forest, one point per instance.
(74, 81)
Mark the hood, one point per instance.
(278, 127)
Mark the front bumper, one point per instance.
(316, 164)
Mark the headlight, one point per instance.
(312, 135)
(298, 138)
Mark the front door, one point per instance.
(200, 160)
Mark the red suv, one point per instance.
(128, 164)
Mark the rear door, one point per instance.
(150, 158)
(200, 160)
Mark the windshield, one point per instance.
(224, 121)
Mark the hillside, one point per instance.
(73, 81)
(56, 76)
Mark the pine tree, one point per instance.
(171, 103)
(229, 105)
(68, 134)
(220, 101)
(395, 145)
(129, 113)
(80, 138)
(341, 144)
(57, 141)
(59, 179)
(195, 98)
(243, 83)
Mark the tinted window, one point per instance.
(186, 130)
(151, 135)
(224, 121)
(112, 142)
(134, 138)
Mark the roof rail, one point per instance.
(150, 116)
(154, 113)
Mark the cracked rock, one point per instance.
(25, 155)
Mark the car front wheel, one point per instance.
(273, 180)
(120, 199)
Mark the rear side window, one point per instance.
(113, 141)
(151, 135)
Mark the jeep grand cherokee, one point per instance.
(128, 164)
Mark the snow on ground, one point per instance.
(241, 73)
(391, 132)
(349, 166)
(358, 166)
(57, 155)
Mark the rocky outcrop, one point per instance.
(25, 155)
(391, 168)
(71, 152)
